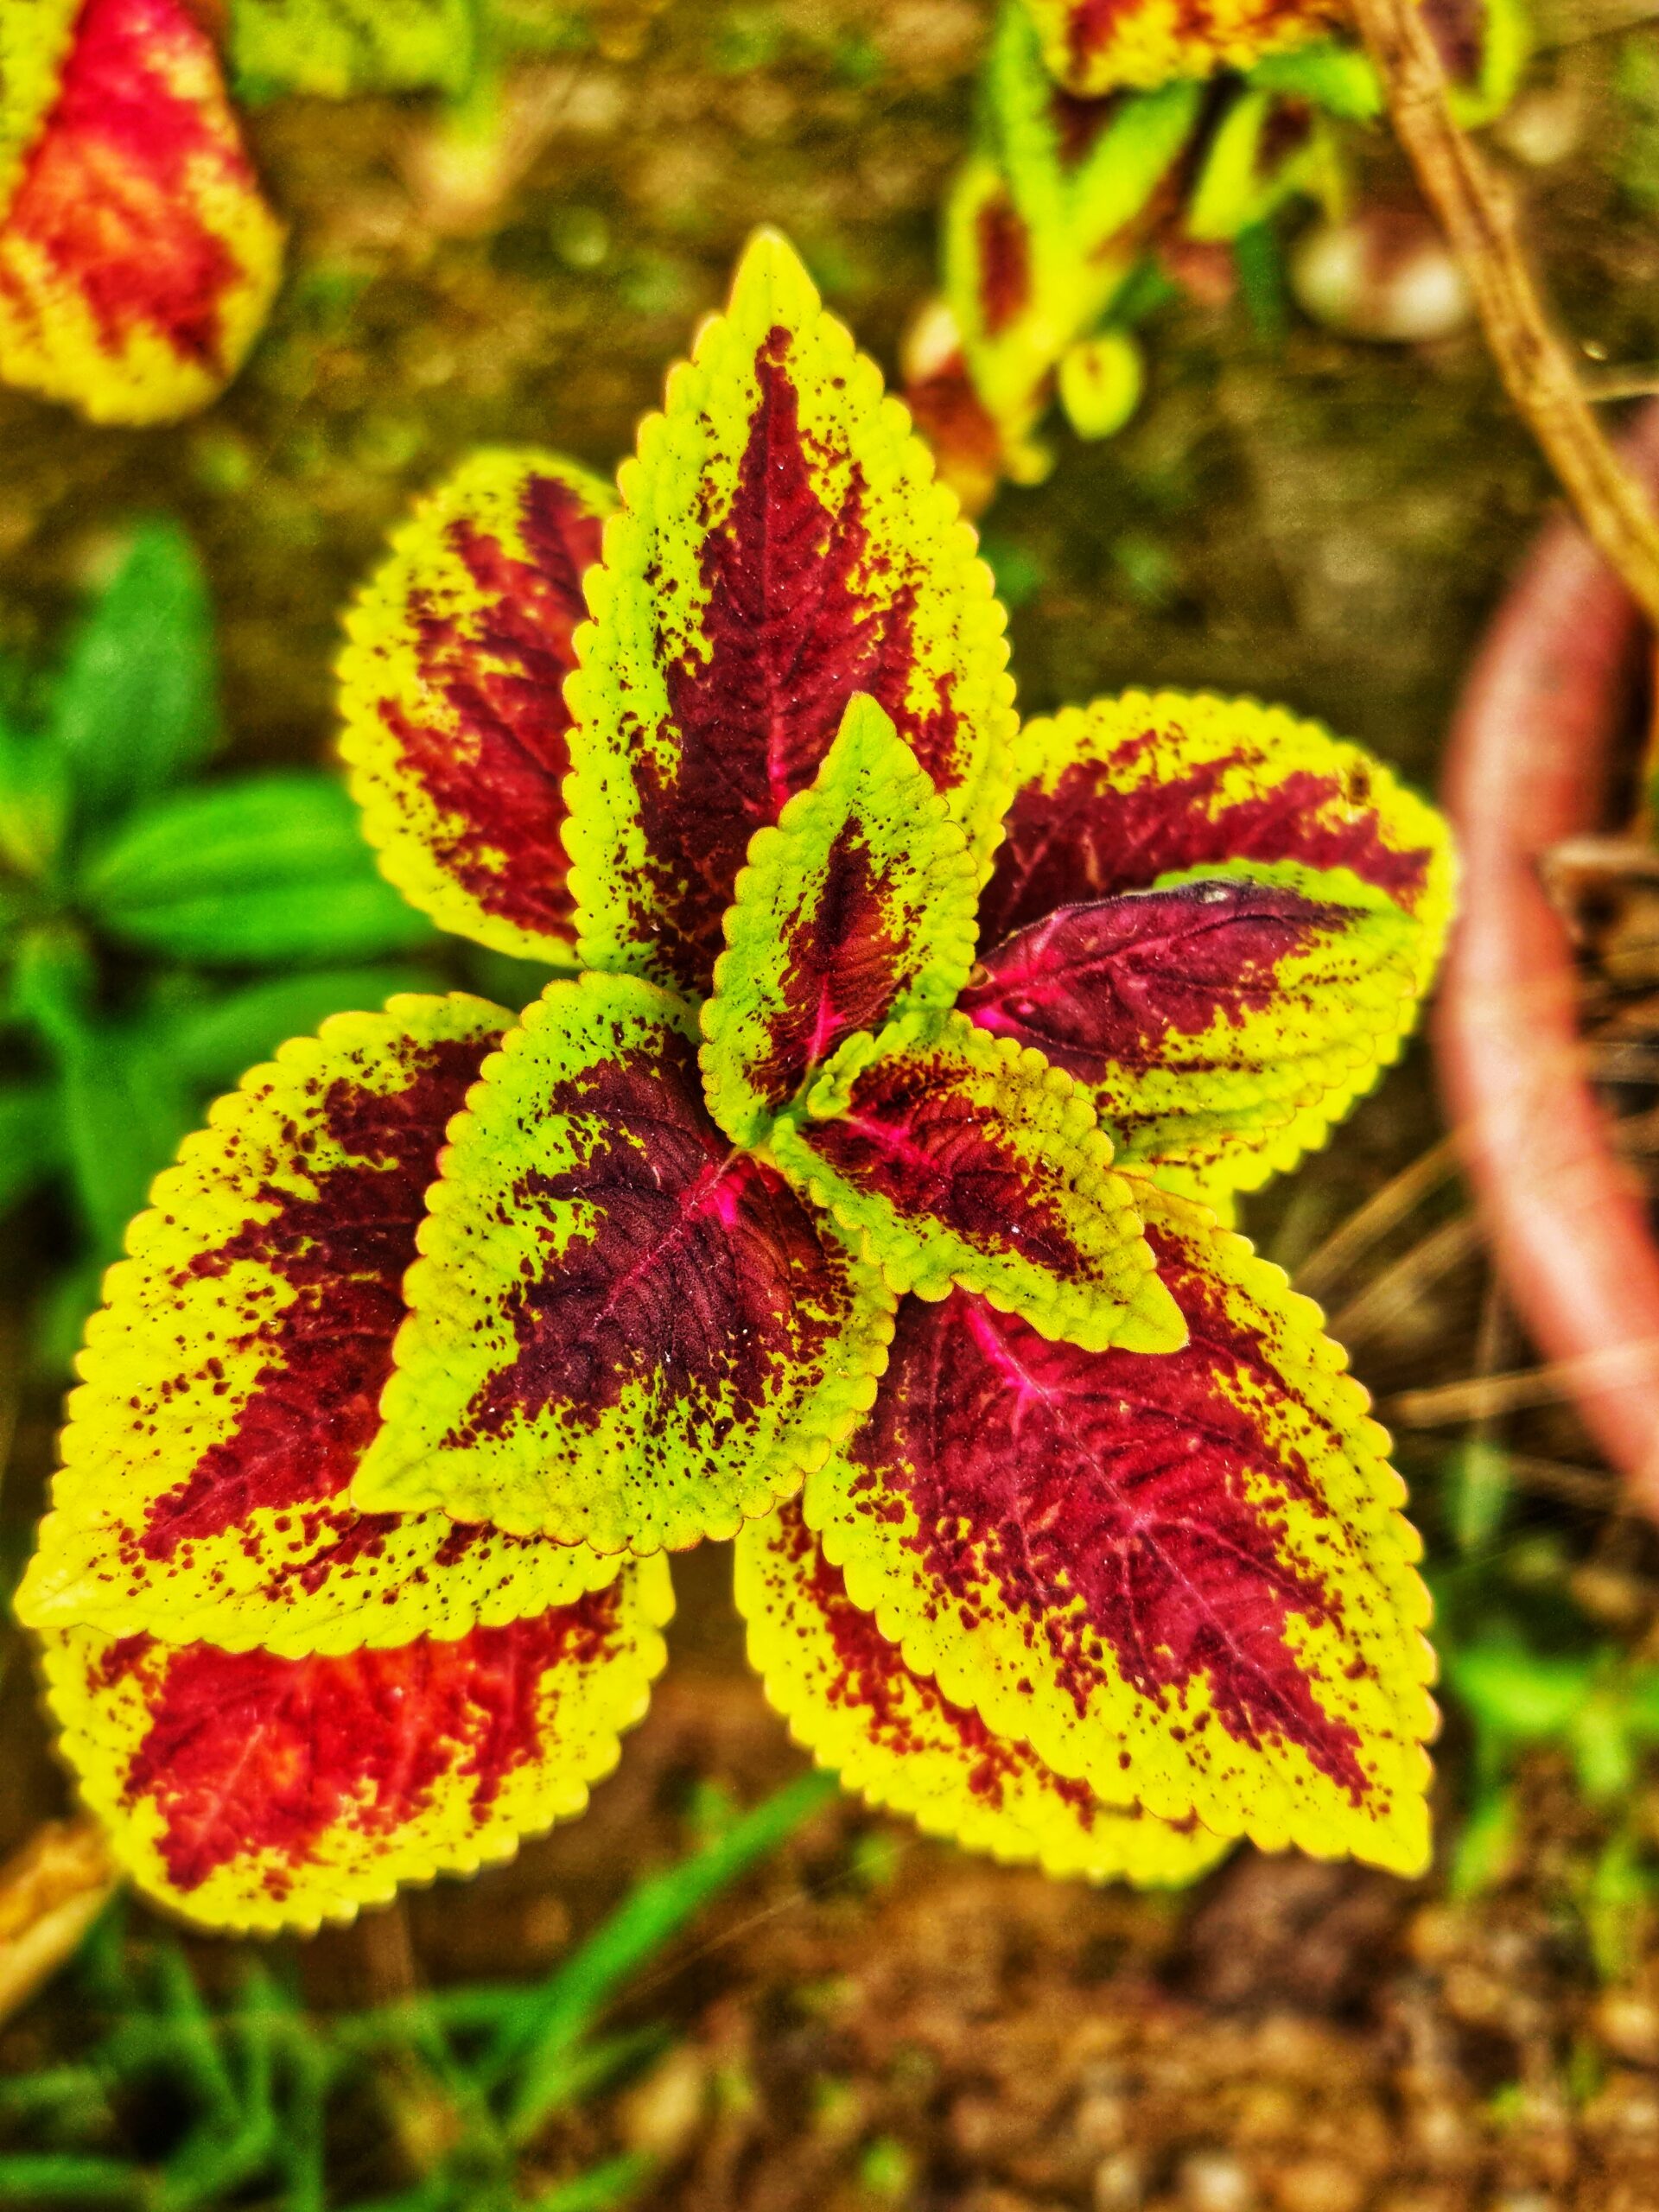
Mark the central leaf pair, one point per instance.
(639, 1318)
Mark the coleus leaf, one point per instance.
(1265, 149)
(333, 49)
(622, 1332)
(1040, 229)
(452, 686)
(137, 256)
(1094, 47)
(1140, 794)
(956, 1157)
(859, 904)
(1483, 47)
(35, 36)
(781, 544)
(254, 1792)
(233, 1379)
(1206, 1017)
(1183, 1578)
(31, 1139)
(895, 1736)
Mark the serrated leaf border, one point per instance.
(860, 750)
(1058, 1112)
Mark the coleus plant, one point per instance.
(857, 1193)
(1106, 135)
(138, 256)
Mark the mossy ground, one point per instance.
(877, 2020)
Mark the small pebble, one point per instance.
(1214, 2181)
(1386, 274)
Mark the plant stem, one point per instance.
(1477, 211)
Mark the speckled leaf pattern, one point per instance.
(622, 1332)
(1094, 47)
(335, 48)
(233, 1379)
(252, 1792)
(955, 1157)
(895, 1736)
(1185, 1580)
(137, 254)
(1206, 1017)
(859, 904)
(782, 545)
(452, 686)
(1146, 792)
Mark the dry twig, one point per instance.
(1324, 1270)
(1477, 211)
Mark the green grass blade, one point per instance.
(62, 2178)
(560, 2013)
(617, 2182)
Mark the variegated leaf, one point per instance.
(1483, 47)
(1040, 224)
(1206, 1019)
(622, 1332)
(252, 1792)
(1094, 47)
(1139, 792)
(1185, 1580)
(1265, 149)
(859, 904)
(895, 1736)
(137, 256)
(958, 1157)
(782, 545)
(452, 686)
(233, 1379)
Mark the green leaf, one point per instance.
(215, 1041)
(135, 707)
(124, 1111)
(269, 868)
(34, 802)
(558, 2016)
(30, 1140)
(858, 904)
(956, 1158)
(336, 48)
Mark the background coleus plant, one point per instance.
(855, 1192)
(137, 254)
(1105, 138)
